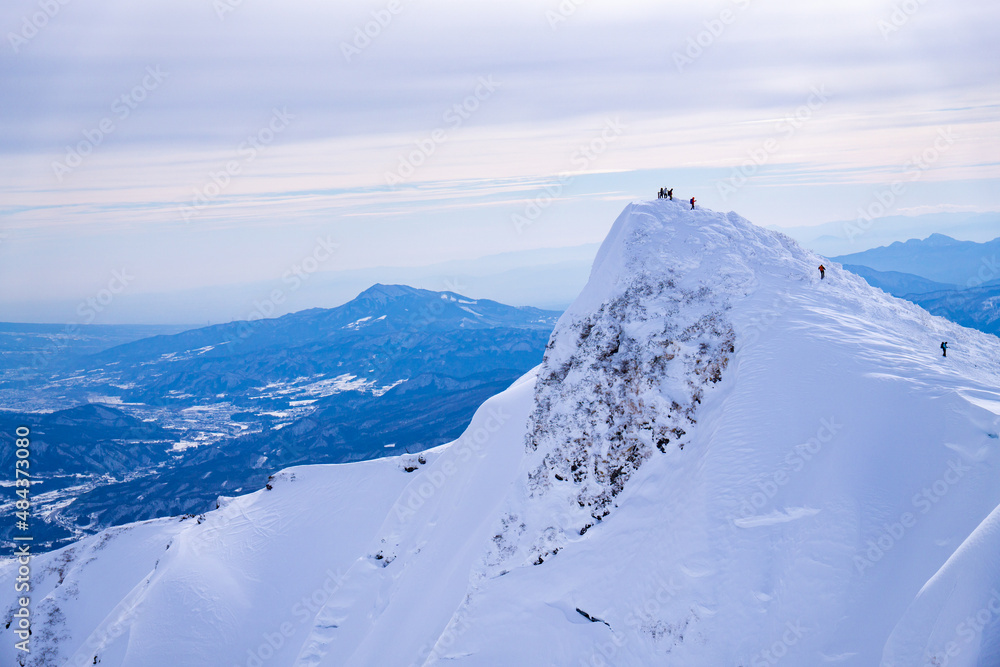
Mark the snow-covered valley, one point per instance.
(722, 460)
(161, 426)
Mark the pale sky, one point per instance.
(211, 142)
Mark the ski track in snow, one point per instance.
(836, 500)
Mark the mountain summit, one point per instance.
(722, 460)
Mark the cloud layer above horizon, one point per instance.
(417, 132)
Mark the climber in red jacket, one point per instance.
(692, 203)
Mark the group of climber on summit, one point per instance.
(664, 193)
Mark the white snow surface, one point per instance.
(835, 500)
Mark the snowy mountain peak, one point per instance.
(940, 240)
(666, 240)
(628, 365)
(378, 290)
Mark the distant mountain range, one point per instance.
(969, 273)
(976, 307)
(897, 282)
(937, 257)
(387, 334)
(851, 236)
(548, 278)
(184, 418)
(42, 347)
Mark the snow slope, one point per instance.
(722, 460)
(261, 580)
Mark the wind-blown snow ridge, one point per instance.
(831, 503)
(955, 619)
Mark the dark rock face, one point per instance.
(601, 409)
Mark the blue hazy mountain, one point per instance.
(852, 236)
(383, 336)
(387, 334)
(938, 258)
(37, 348)
(548, 278)
(971, 299)
(975, 307)
(214, 411)
(898, 283)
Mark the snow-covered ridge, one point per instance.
(834, 501)
(627, 367)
